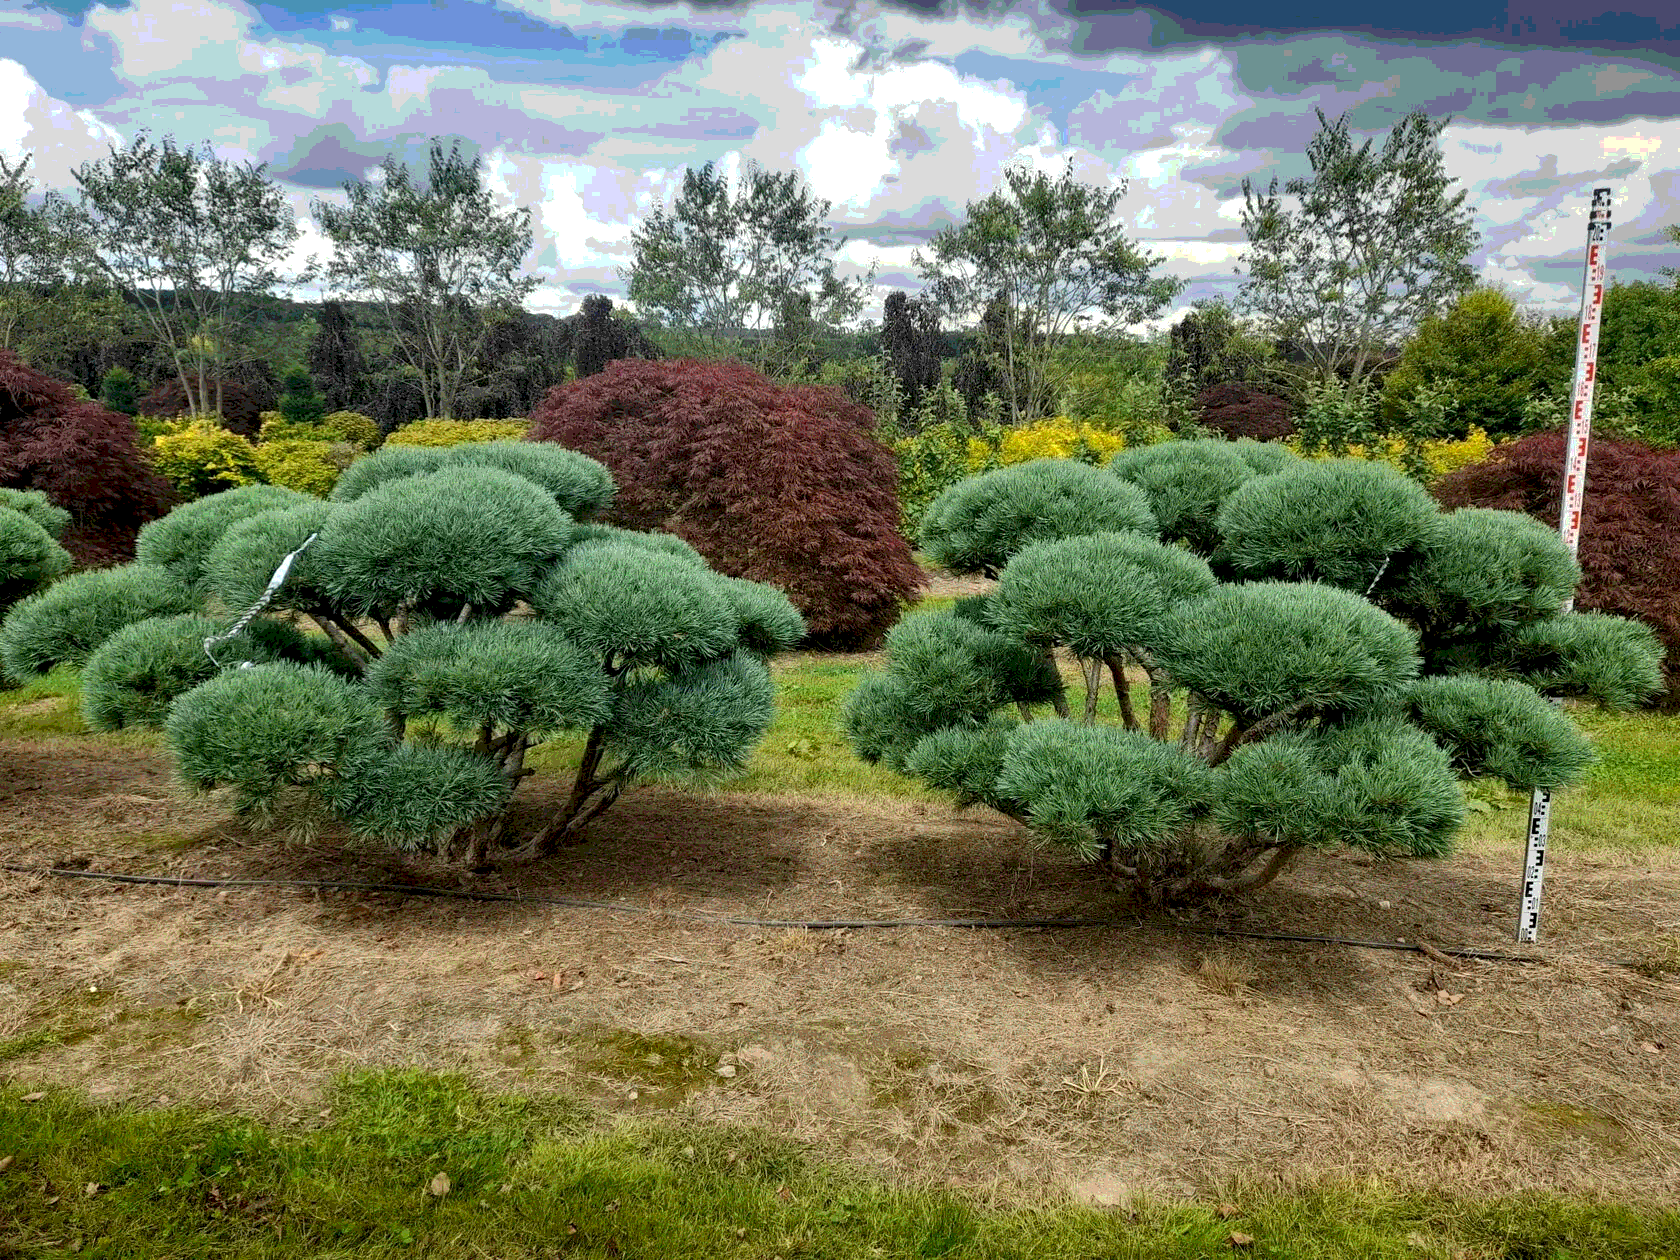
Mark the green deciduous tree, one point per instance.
(1377, 242)
(1051, 253)
(722, 269)
(159, 217)
(1488, 357)
(52, 299)
(440, 260)
(1324, 652)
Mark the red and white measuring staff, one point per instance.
(1569, 522)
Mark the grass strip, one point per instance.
(411, 1164)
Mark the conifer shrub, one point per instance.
(84, 458)
(38, 508)
(977, 524)
(475, 612)
(1320, 675)
(776, 484)
(67, 622)
(30, 557)
(132, 678)
(1630, 565)
(304, 465)
(348, 427)
(200, 457)
(1187, 483)
(181, 540)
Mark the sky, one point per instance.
(899, 114)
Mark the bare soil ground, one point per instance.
(1095, 1062)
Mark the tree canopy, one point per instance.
(439, 259)
(1049, 252)
(727, 268)
(157, 215)
(1376, 242)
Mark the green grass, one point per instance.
(536, 1178)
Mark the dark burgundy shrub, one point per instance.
(242, 404)
(1630, 522)
(774, 483)
(1243, 411)
(84, 458)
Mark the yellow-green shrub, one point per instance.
(199, 457)
(310, 466)
(336, 426)
(1432, 458)
(935, 458)
(1055, 438)
(456, 432)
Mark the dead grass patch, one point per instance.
(1018, 1061)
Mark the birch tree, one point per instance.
(1065, 273)
(441, 261)
(1375, 243)
(203, 227)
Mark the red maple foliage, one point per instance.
(1630, 522)
(779, 484)
(84, 458)
(242, 404)
(1243, 411)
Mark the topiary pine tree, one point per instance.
(30, 556)
(300, 403)
(475, 615)
(1324, 650)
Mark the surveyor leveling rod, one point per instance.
(1569, 522)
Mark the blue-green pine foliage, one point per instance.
(30, 556)
(466, 609)
(1325, 654)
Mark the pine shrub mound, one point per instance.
(30, 557)
(977, 524)
(135, 675)
(38, 508)
(776, 484)
(1187, 483)
(581, 486)
(470, 618)
(181, 540)
(1346, 522)
(1630, 565)
(1380, 650)
(467, 535)
(66, 623)
(83, 458)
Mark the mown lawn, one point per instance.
(409, 1164)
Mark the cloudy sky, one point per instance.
(898, 113)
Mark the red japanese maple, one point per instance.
(1630, 522)
(85, 458)
(779, 484)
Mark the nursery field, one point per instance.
(610, 1070)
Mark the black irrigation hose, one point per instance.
(814, 925)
